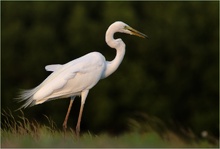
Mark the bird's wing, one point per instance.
(53, 67)
(88, 64)
(65, 78)
(56, 81)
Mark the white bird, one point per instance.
(78, 76)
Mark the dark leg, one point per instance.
(67, 114)
(83, 99)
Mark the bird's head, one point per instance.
(120, 27)
(124, 28)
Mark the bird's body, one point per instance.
(78, 76)
(69, 79)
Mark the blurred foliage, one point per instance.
(173, 75)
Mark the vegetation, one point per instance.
(24, 133)
(170, 81)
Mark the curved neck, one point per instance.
(118, 44)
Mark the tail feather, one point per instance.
(27, 96)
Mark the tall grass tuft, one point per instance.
(147, 132)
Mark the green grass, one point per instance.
(23, 133)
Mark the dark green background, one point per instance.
(173, 75)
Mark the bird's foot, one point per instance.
(77, 132)
(64, 127)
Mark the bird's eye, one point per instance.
(126, 27)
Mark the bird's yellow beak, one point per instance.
(135, 32)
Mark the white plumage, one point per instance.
(67, 80)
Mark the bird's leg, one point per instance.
(68, 113)
(83, 99)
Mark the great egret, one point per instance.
(78, 76)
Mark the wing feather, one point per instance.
(63, 76)
(53, 67)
